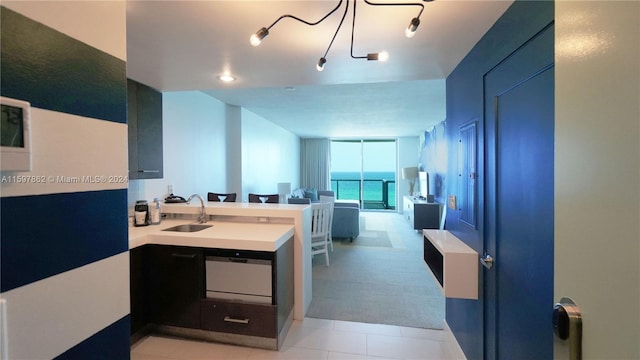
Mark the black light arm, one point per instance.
(323, 59)
(415, 22)
(371, 56)
(263, 32)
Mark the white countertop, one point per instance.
(446, 242)
(233, 208)
(224, 235)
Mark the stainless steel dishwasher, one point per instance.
(239, 275)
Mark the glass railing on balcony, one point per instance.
(377, 194)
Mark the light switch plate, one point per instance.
(452, 202)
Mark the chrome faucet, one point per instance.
(202, 218)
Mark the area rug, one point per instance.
(377, 284)
(373, 238)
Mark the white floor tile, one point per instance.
(291, 353)
(405, 348)
(157, 346)
(365, 328)
(327, 339)
(342, 356)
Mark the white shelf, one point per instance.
(457, 272)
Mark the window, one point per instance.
(364, 170)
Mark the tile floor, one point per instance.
(316, 339)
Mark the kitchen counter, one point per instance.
(224, 235)
(241, 226)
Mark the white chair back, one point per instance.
(332, 200)
(320, 220)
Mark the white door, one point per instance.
(597, 173)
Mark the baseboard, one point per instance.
(456, 350)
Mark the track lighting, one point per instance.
(381, 56)
(257, 38)
(410, 31)
(320, 65)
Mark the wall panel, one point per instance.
(64, 249)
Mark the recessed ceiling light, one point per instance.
(226, 78)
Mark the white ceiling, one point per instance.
(184, 45)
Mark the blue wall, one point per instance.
(57, 234)
(465, 98)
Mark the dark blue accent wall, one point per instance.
(46, 235)
(103, 345)
(465, 97)
(56, 72)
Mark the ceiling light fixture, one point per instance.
(226, 78)
(261, 34)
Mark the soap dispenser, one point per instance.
(155, 212)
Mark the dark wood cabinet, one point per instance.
(175, 285)
(137, 287)
(168, 291)
(239, 318)
(421, 214)
(144, 118)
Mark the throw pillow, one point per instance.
(298, 193)
(312, 194)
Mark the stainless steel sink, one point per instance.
(188, 228)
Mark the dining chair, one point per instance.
(320, 218)
(230, 197)
(331, 200)
(269, 198)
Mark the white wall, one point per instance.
(194, 148)
(408, 153)
(597, 173)
(270, 155)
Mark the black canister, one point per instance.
(141, 213)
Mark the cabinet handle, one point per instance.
(243, 261)
(148, 171)
(236, 321)
(184, 256)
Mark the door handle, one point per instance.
(486, 260)
(567, 325)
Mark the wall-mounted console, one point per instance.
(453, 263)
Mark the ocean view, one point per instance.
(346, 185)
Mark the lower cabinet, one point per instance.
(239, 318)
(175, 285)
(168, 290)
(138, 289)
(421, 214)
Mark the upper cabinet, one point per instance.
(144, 113)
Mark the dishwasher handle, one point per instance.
(242, 261)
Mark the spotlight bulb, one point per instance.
(320, 64)
(411, 29)
(381, 56)
(257, 38)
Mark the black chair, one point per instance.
(270, 198)
(304, 201)
(231, 197)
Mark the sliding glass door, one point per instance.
(364, 170)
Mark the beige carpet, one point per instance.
(379, 278)
(367, 238)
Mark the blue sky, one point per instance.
(378, 156)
